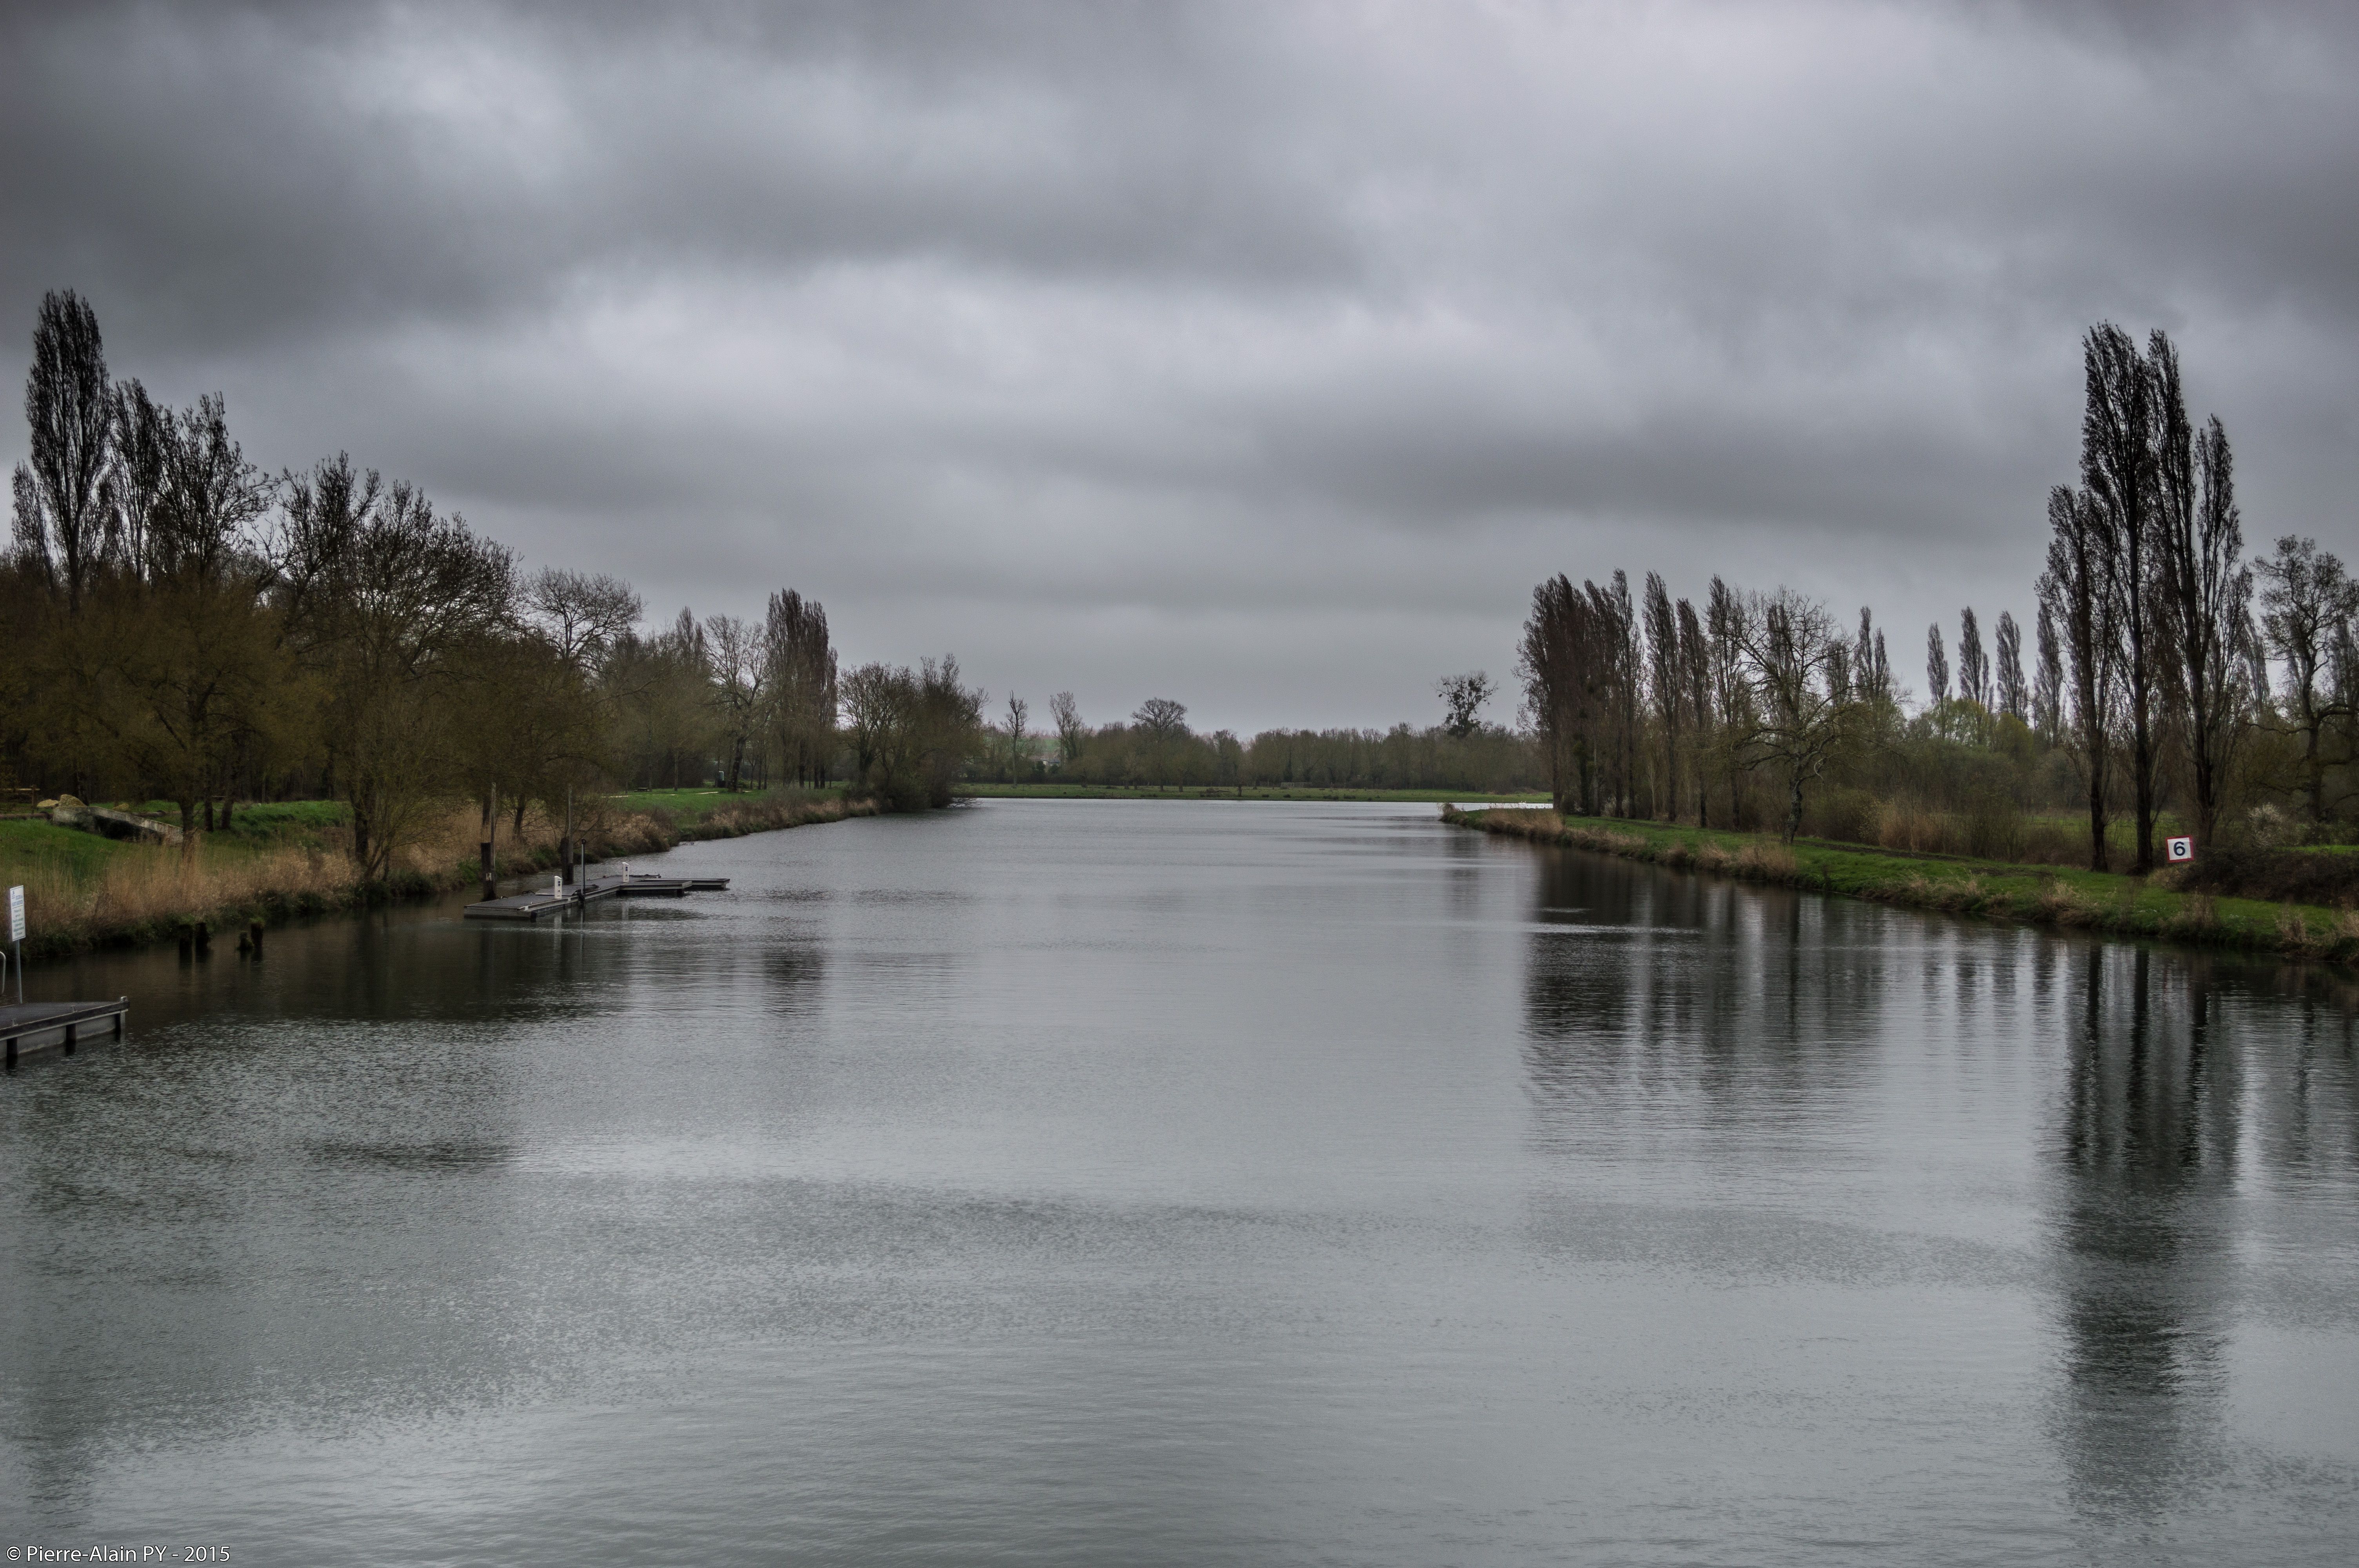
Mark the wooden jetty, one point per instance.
(639, 884)
(27, 1027)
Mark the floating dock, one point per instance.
(640, 885)
(28, 1027)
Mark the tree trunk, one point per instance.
(2316, 769)
(2142, 766)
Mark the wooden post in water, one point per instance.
(491, 832)
(565, 850)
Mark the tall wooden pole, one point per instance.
(491, 831)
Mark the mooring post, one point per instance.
(254, 935)
(204, 940)
(491, 831)
(565, 850)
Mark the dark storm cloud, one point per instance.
(1267, 354)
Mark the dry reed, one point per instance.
(146, 893)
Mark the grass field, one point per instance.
(687, 806)
(1251, 792)
(2044, 895)
(29, 847)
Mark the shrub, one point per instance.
(2286, 876)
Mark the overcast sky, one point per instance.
(1261, 356)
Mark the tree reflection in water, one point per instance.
(2165, 1131)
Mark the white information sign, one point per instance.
(2178, 849)
(15, 914)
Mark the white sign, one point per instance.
(15, 914)
(2178, 849)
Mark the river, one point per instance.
(1187, 1182)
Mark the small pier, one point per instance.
(47, 1025)
(639, 884)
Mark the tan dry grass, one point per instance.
(151, 891)
(2061, 904)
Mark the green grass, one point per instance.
(28, 843)
(2047, 895)
(1214, 792)
(682, 806)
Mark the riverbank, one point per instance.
(1224, 792)
(2052, 896)
(283, 861)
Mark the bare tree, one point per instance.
(1018, 711)
(1618, 618)
(1937, 668)
(1664, 683)
(1727, 616)
(1165, 723)
(2074, 597)
(64, 497)
(384, 598)
(584, 615)
(1872, 668)
(2011, 693)
(1566, 659)
(800, 685)
(194, 670)
(739, 670)
(146, 433)
(2308, 602)
(873, 705)
(1790, 643)
(1695, 679)
(1463, 698)
(1071, 731)
(912, 730)
(2121, 436)
(2048, 687)
(1974, 666)
(2208, 591)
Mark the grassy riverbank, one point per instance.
(1202, 792)
(279, 860)
(2040, 895)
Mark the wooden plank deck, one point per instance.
(532, 905)
(24, 1028)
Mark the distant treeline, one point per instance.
(2153, 685)
(1155, 749)
(180, 624)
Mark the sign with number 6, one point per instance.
(2180, 851)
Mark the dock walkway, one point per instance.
(532, 905)
(27, 1027)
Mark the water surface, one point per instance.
(1189, 1183)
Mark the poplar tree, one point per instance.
(2011, 693)
(2121, 436)
(2074, 592)
(63, 492)
(1663, 683)
(1973, 665)
(2206, 589)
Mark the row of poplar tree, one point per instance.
(182, 625)
(2168, 673)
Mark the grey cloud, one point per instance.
(1261, 355)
